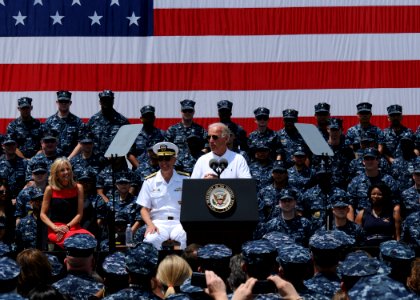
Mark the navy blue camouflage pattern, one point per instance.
(115, 264)
(379, 287)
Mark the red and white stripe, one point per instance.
(273, 53)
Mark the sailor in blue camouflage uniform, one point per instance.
(399, 257)
(379, 287)
(262, 165)
(401, 168)
(327, 248)
(9, 272)
(105, 124)
(179, 132)
(87, 158)
(300, 175)
(149, 134)
(125, 205)
(49, 153)
(268, 196)
(356, 167)
(410, 198)
(360, 184)
(25, 130)
(210, 257)
(141, 264)
(188, 157)
(79, 283)
(57, 268)
(146, 168)
(343, 154)
(317, 201)
(94, 208)
(115, 274)
(65, 123)
(410, 229)
(340, 209)
(40, 179)
(5, 248)
(259, 258)
(364, 113)
(26, 230)
(358, 265)
(104, 178)
(12, 167)
(224, 108)
(289, 137)
(322, 115)
(263, 133)
(295, 264)
(299, 228)
(394, 133)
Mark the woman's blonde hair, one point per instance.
(173, 271)
(55, 168)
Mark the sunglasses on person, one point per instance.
(39, 173)
(214, 137)
(188, 111)
(369, 158)
(2, 192)
(164, 158)
(262, 118)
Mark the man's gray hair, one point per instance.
(225, 130)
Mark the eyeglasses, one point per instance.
(287, 200)
(39, 173)
(214, 137)
(417, 173)
(264, 118)
(188, 111)
(164, 158)
(2, 192)
(49, 141)
(369, 158)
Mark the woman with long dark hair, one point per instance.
(379, 221)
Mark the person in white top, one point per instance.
(218, 136)
(160, 198)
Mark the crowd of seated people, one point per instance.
(56, 184)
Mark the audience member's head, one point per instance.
(35, 269)
(172, 272)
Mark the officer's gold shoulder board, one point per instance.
(183, 173)
(151, 175)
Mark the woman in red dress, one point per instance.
(62, 206)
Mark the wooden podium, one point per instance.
(221, 211)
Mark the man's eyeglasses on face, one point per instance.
(214, 137)
(2, 192)
(188, 111)
(164, 158)
(264, 118)
(369, 158)
(39, 173)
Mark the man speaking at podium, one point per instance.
(220, 162)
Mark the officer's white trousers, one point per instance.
(168, 229)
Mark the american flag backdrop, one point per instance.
(274, 53)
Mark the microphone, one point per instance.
(223, 163)
(214, 165)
